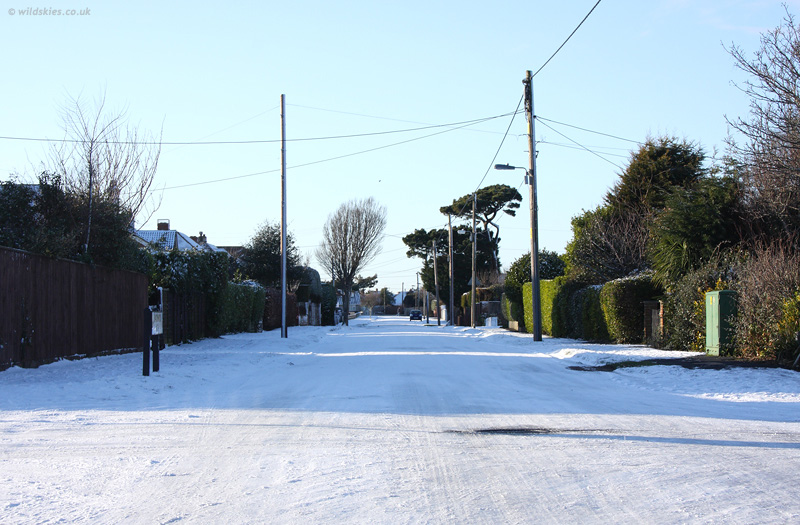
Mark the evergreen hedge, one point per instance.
(328, 297)
(241, 308)
(611, 312)
(565, 323)
(512, 311)
(195, 272)
(621, 301)
(547, 293)
(593, 318)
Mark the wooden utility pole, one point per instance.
(416, 293)
(451, 310)
(474, 253)
(535, 297)
(436, 284)
(284, 333)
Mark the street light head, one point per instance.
(504, 167)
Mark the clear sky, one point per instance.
(215, 71)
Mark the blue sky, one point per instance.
(214, 71)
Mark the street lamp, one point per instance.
(530, 180)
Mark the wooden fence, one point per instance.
(52, 308)
(272, 309)
(184, 317)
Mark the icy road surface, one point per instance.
(390, 421)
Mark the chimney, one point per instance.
(163, 224)
(199, 239)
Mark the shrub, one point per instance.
(564, 323)
(328, 296)
(490, 293)
(593, 320)
(554, 306)
(272, 309)
(786, 345)
(547, 293)
(513, 311)
(621, 301)
(517, 275)
(769, 304)
(310, 287)
(241, 307)
(684, 304)
(189, 272)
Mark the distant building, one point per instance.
(167, 239)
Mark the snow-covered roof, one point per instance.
(173, 240)
(168, 239)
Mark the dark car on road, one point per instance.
(415, 315)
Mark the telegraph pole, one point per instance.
(451, 311)
(436, 284)
(416, 293)
(474, 253)
(535, 297)
(284, 333)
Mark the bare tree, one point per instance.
(103, 157)
(371, 300)
(351, 238)
(771, 148)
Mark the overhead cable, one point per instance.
(270, 141)
(470, 123)
(567, 40)
(582, 146)
(540, 118)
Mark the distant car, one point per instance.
(415, 315)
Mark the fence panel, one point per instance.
(184, 317)
(51, 308)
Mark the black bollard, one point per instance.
(156, 347)
(148, 333)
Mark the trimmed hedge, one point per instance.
(565, 318)
(593, 319)
(621, 301)
(527, 302)
(241, 308)
(611, 312)
(512, 311)
(547, 293)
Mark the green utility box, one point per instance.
(720, 311)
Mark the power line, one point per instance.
(433, 126)
(588, 130)
(270, 141)
(357, 114)
(470, 123)
(582, 146)
(491, 164)
(567, 40)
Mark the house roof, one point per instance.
(173, 240)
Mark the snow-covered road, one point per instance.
(391, 421)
